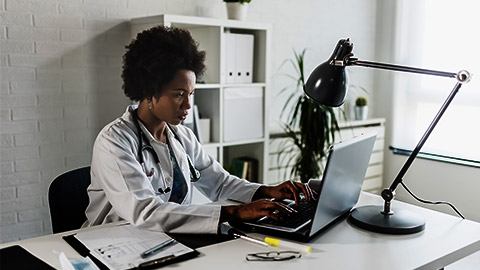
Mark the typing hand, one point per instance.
(255, 210)
(287, 190)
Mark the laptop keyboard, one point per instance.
(305, 213)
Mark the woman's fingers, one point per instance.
(295, 191)
(305, 189)
(310, 194)
(272, 209)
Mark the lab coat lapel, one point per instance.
(164, 169)
(181, 157)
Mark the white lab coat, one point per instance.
(121, 190)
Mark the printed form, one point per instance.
(119, 247)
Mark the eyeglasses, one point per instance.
(273, 256)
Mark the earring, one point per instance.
(149, 103)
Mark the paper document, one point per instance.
(120, 247)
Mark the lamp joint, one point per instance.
(387, 196)
(463, 76)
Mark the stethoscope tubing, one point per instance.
(194, 172)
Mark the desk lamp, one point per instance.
(327, 85)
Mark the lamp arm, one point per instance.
(462, 77)
(424, 138)
(356, 62)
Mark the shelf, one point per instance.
(191, 21)
(357, 123)
(277, 131)
(207, 85)
(211, 144)
(245, 142)
(233, 85)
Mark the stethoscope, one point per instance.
(194, 173)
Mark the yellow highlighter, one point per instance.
(285, 244)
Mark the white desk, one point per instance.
(445, 240)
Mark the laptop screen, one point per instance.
(343, 179)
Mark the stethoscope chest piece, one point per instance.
(164, 191)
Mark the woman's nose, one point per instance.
(187, 104)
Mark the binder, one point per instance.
(244, 58)
(245, 167)
(230, 52)
(238, 58)
(81, 246)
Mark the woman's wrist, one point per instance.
(260, 193)
(228, 213)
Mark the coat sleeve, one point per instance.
(116, 172)
(215, 182)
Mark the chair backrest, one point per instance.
(68, 199)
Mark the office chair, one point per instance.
(68, 199)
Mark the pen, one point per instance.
(253, 240)
(280, 243)
(157, 248)
(237, 234)
(156, 262)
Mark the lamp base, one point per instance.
(400, 222)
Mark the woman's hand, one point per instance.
(255, 210)
(286, 190)
(264, 203)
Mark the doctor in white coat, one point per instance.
(144, 163)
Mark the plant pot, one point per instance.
(361, 112)
(236, 11)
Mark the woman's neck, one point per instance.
(156, 127)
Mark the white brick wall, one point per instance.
(60, 80)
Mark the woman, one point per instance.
(144, 163)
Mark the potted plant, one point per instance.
(310, 129)
(237, 9)
(361, 108)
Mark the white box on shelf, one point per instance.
(205, 129)
(243, 113)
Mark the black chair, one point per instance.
(68, 199)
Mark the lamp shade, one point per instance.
(328, 82)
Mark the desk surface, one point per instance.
(445, 240)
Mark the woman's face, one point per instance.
(172, 104)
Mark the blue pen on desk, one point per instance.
(157, 248)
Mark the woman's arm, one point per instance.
(118, 179)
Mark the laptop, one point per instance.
(339, 190)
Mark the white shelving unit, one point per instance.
(210, 93)
(374, 175)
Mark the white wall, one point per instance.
(60, 79)
(432, 180)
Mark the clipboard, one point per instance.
(155, 262)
